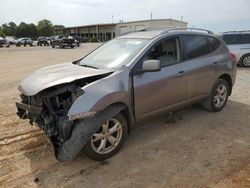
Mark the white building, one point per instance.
(105, 32)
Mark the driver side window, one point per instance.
(167, 52)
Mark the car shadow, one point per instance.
(192, 148)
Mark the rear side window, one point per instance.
(195, 46)
(214, 43)
(245, 38)
(232, 39)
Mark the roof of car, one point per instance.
(236, 32)
(152, 33)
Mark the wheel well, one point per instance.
(126, 113)
(128, 117)
(228, 79)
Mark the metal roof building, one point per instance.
(108, 31)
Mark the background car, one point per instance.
(77, 43)
(11, 39)
(238, 43)
(4, 42)
(62, 41)
(43, 41)
(78, 40)
(24, 42)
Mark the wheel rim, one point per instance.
(108, 137)
(220, 96)
(246, 61)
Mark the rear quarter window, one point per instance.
(195, 46)
(214, 43)
(232, 39)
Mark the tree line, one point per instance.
(43, 28)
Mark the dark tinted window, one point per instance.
(195, 46)
(245, 38)
(214, 43)
(232, 39)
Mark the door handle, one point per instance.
(214, 63)
(181, 73)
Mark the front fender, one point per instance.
(104, 92)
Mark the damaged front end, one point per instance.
(48, 110)
(70, 102)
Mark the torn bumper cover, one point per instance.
(82, 132)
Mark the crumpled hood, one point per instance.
(55, 75)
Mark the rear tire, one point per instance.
(218, 97)
(113, 131)
(245, 61)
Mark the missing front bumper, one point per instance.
(24, 109)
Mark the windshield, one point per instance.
(114, 54)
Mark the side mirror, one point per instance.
(151, 65)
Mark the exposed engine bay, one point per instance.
(48, 109)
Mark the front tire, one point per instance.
(108, 140)
(218, 97)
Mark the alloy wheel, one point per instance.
(108, 137)
(246, 61)
(220, 96)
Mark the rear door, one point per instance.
(245, 47)
(156, 92)
(202, 61)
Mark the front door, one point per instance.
(164, 90)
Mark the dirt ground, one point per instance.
(199, 149)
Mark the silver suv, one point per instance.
(239, 43)
(93, 103)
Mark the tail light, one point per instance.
(233, 57)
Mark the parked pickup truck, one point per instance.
(62, 41)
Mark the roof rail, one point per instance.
(187, 28)
(125, 33)
(150, 29)
(159, 28)
(167, 29)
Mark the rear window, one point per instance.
(214, 43)
(232, 39)
(245, 38)
(195, 46)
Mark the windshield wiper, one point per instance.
(89, 66)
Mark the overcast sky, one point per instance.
(217, 15)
